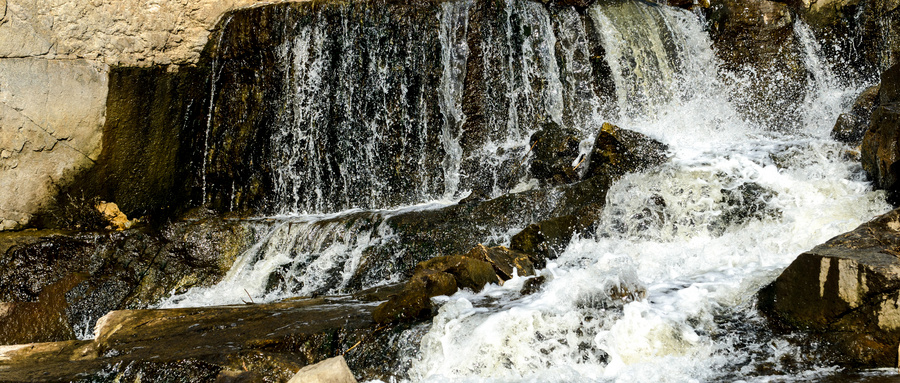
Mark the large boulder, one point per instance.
(880, 152)
(845, 292)
(555, 150)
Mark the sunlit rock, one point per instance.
(845, 292)
(333, 370)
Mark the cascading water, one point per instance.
(698, 236)
(662, 291)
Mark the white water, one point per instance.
(670, 233)
(663, 292)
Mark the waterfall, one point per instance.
(372, 120)
(700, 235)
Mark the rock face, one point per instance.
(880, 154)
(54, 66)
(51, 112)
(127, 33)
(845, 292)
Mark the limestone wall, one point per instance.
(54, 65)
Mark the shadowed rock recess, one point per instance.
(299, 147)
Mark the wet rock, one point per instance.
(555, 150)
(414, 302)
(506, 262)
(332, 370)
(618, 151)
(124, 269)
(533, 285)
(845, 292)
(199, 344)
(42, 321)
(545, 239)
(851, 126)
(469, 272)
(755, 40)
(879, 152)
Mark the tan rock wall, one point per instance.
(54, 63)
(114, 32)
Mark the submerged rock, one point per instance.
(755, 40)
(845, 292)
(555, 149)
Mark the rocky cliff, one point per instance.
(55, 60)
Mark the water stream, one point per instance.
(663, 291)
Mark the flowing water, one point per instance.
(663, 291)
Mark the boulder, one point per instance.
(846, 293)
(469, 272)
(414, 301)
(618, 151)
(851, 126)
(332, 370)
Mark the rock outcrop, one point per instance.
(852, 126)
(55, 59)
(880, 153)
(845, 292)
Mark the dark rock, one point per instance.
(755, 40)
(851, 126)
(846, 293)
(198, 344)
(112, 270)
(618, 151)
(504, 260)
(880, 152)
(41, 321)
(546, 239)
(889, 92)
(745, 202)
(555, 149)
